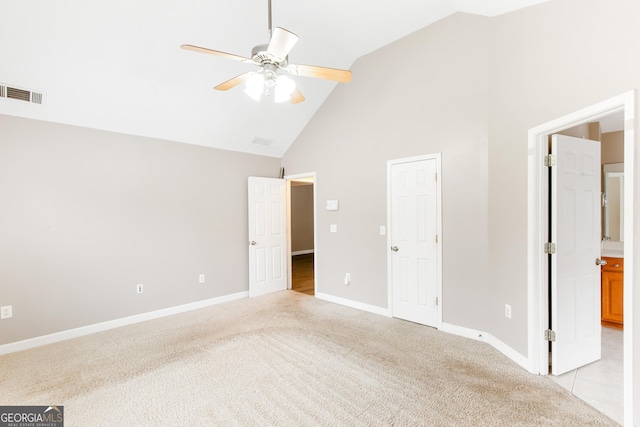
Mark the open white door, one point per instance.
(267, 236)
(575, 273)
(413, 235)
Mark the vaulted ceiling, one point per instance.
(118, 65)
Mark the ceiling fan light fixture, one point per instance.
(284, 88)
(273, 59)
(255, 86)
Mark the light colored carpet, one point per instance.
(285, 359)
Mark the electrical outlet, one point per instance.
(6, 312)
(139, 288)
(507, 311)
(347, 278)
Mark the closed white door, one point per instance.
(575, 273)
(414, 241)
(267, 236)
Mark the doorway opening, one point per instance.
(539, 296)
(302, 231)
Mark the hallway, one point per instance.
(302, 274)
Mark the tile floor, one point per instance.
(600, 384)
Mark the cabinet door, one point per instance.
(612, 292)
(612, 296)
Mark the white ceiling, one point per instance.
(117, 65)
(612, 123)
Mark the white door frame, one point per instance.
(438, 159)
(290, 178)
(538, 196)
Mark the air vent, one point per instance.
(262, 141)
(36, 98)
(20, 94)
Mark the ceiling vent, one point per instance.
(20, 94)
(262, 141)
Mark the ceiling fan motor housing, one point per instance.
(261, 57)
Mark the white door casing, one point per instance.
(538, 218)
(575, 275)
(414, 239)
(267, 236)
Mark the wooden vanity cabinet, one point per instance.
(612, 292)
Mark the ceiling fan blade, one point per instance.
(342, 76)
(296, 97)
(282, 41)
(217, 53)
(231, 83)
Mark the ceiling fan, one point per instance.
(273, 61)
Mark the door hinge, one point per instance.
(549, 248)
(436, 174)
(436, 238)
(436, 300)
(549, 335)
(550, 160)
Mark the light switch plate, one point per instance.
(332, 205)
(333, 228)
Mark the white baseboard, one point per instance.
(489, 339)
(354, 304)
(303, 252)
(112, 324)
(445, 327)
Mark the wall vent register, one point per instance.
(21, 94)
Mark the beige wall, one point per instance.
(426, 93)
(612, 149)
(580, 131)
(471, 88)
(86, 215)
(301, 218)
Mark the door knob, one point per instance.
(394, 248)
(601, 261)
(253, 243)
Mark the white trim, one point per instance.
(304, 252)
(461, 331)
(117, 323)
(438, 158)
(354, 304)
(537, 289)
(444, 327)
(289, 178)
(489, 339)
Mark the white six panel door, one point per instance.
(575, 277)
(267, 236)
(414, 256)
